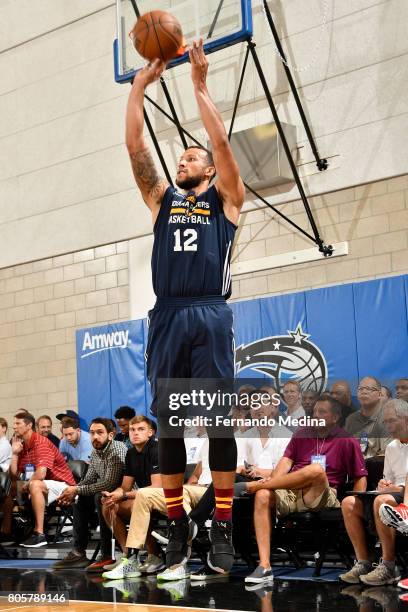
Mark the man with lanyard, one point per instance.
(315, 464)
(190, 327)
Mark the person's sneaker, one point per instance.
(176, 572)
(395, 516)
(353, 576)
(152, 565)
(72, 560)
(6, 539)
(177, 550)
(260, 574)
(380, 575)
(403, 584)
(221, 555)
(128, 588)
(177, 589)
(127, 568)
(205, 573)
(111, 566)
(97, 567)
(36, 540)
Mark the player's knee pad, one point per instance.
(172, 455)
(223, 454)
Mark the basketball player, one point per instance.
(190, 327)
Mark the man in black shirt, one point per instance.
(142, 470)
(44, 428)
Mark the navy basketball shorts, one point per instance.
(189, 339)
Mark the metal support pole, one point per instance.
(241, 80)
(135, 8)
(326, 250)
(214, 22)
(322, 164)
(173, 112)
(157, 147)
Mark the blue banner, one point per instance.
(341, 332)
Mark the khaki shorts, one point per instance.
(288, 501)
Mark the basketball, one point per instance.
(157, 34)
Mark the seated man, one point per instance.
(384, 507)
(316, 462)
(50, 478)
(75, 444)
(367, 423)
(5, 446)
(292, 397)
(44, 428)
(341, 392)
(123, 415)
(142, 470)
(104, 474)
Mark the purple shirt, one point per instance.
(343, 454)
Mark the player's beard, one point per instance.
(189, 182)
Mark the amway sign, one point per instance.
(96, 343)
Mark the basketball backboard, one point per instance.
(219, 22)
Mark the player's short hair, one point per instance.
(292, 382)
(70, 422)
(377, 382)
(107, 423)
(141, 418)
(210, 159)
(3, 423)
(26, 417)
(125, 412)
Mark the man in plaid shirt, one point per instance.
(106, 467)
(50, 478)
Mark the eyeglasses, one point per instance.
(369, 389)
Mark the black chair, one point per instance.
(64, 514)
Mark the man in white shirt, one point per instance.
(395, 419)
(5, 447)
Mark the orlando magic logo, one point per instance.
(284, 358)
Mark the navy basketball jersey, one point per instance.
(192, 246)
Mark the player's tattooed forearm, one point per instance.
(145, 171)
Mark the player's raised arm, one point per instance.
(229, 184)
(151, 185)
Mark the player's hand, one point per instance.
(199, 63)
(383, 484)
(150, 73)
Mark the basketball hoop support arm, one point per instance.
(321, 163)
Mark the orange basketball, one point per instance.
(157, 34)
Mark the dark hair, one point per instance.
(335, 406)
(210, 159)
(3, 423)
(125, 412)
(27, 418)
(68, 422)
(107, 423)
(44, 416)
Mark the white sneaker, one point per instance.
(152, 565)
(176, 572)
(127, 568)
(111, 566)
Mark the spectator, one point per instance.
(75, 444)
(385, 393)
(401, 388)
(44, 428)
(341, 392)
(384, 507)
(123, 416)
(367, 423)
(104, 474)
(50, 478)
(291, 393)
(309, 399)
(315, 464)
(72, 415)
(241, 411)
(5, 447)
(142, 470)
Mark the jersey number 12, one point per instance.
(189, 240)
